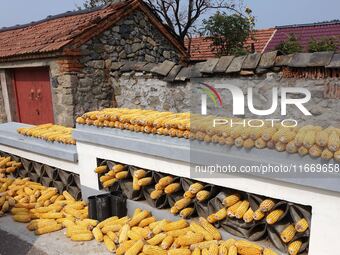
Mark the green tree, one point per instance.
(228, 32)
(181, 16)
(322, 44)
(290, 45)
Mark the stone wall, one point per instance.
(132, 39)
(151, 93)
(133, 91)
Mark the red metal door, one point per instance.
(33, 95)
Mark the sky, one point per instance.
(268, 13)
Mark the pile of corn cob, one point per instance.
(313, 140)
(147, 121)
(235, 208)
(43, 208)
(111, 176)
(143, 234)
(8, 166)
(50, 133)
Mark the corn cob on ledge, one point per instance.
(316, 141)
(45, 211)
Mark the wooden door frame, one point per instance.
(13, 88)
(9, 95)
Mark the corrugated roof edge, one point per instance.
(268, 62)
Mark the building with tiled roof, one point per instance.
(201, 47)
(305, 32)
(60, 67)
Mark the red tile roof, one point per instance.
(305, 33)
(54, 33)
(201, 48)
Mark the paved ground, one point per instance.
(12, 245)
(17, 240)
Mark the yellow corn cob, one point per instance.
(212, 218)
(309, 139)
(202, 195)
(118, 168)
(301, 226)
(122, 175)
(158, 227)
(48, 229)
(327, 154)
(112, 236)
(246, 247)
(155, 194)
(175, 225)
(135, 235)
(337, 156)
(291, 147)
(197, 251)
(139, 174)
(135, 248)
(180, 251)
(267, 205)
(196, 187)
(334, 141)
(153, 250)
(165, 181)
(258, 215)
(203, 245)
(5, 207)
(171, 188)
(248, 144)
(101, 169)
(23, 218)
(210, 228)
(213, 250)
(294, 247)
(123, 234)
(274, 216)
(242, 209)
(68, 196)
(138, 218)
(157, 239)
(81, 237)
(321, 138)
(248, 216)
(145, 181)
(188, 239)
(205, 251)
(288, 234)
(146, 222)
(186, 212)
(260, 143)
(231, 211)
(225, 246)
(178, 232)
(239, 142)
(98, 235)
(167, 242)
(303, 151)
(315, 151)
(109, 243)
(123, 247)
(188, 194)
(267, 251)
(182, 203)
(232, 250)
(221, 214)
(231, 200)
(199, 229)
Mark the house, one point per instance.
(266, 40)
(201, 47)
(305, 32)
(58, 68)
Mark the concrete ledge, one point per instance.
(10, 137)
